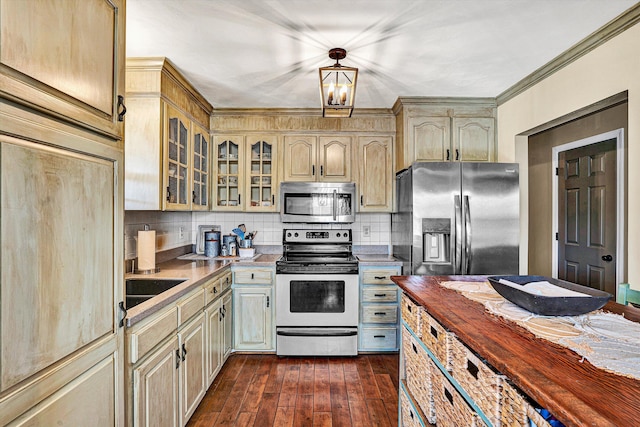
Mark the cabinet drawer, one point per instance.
(212, 290)
(379, 314)
(253, 276)
(146, 336)
(225, 281)
(379, 277)
(380, 294)
(410, 417)
(190, 306)
(378, 338)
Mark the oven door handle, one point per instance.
(335, 203)
(316, 333)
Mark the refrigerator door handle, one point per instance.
(467, 235)
(457, 255)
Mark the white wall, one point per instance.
(607, 70)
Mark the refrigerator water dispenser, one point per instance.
(436, 240)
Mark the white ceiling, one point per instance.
(266, 53)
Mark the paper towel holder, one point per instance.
(148, 271)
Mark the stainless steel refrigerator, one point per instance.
(457, 218)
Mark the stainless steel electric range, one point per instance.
(317, 296)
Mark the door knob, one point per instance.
(607, 258)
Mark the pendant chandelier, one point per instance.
(338, 86)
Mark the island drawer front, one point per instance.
(253, 277)
(379, 314)
(411, 313)
(380, 294)
(378, 277)
(409, 414)
(419, 372)
(190, 306)
(225, 281)
(436, 338)
(517, 411)
(481, 382)
(146, 336)
(451, 408)
(379, 338)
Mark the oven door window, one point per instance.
(325, 296)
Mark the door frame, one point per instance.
(618, 135)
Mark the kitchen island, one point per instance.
(557, 378)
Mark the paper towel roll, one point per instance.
(146, 250)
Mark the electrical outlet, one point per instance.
(181, 231)
(366, 230)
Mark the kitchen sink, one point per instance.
(140, 290)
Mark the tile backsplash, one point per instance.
(176, 229)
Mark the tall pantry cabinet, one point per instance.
(61, 212)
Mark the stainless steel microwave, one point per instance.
(317, 202)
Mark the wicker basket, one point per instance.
(411, 314)
(419, 370)
(436, 338)
(481, 382)
(451, 408)
(408, 413)
(517, 410)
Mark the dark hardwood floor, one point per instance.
(267, 390)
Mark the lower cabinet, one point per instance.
(193, 382)
(379, 314)
(227, 325)
(254, 327)
(213, 315)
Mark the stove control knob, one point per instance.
(345, 234)
(337, 234)
(288, 234)
(295, 234)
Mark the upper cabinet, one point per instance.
(245, 170)
(312, 158)
(168, 148)
(65, 59)
(376, 177)
(445, 129)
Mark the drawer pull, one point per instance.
(409, 308)
(379, 336)
(415, 350)
(448, 395)
(214, 290)
(184, 351)
(472, 368)
(379, 295)
(380, 277)
(380, 313)
(434, 332)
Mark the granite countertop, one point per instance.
(195, 274)
(376, 259)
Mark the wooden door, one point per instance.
(227, 330)
(300, 158)
(177, 162)
(193, 368)
(430, 139)
(200, 170)
(66, 57)
(228, 172)
(587, 225)
(334, 158)
(214, 339)
(155, 387)
(252, 318)
(262, 183)
(375, 183)
(473, 139)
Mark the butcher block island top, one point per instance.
(559, 379)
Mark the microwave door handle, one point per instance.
(457, 252)
(335, 203)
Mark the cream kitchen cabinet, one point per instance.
(68, 60)
(376, 181)
(61, 155)
(317, 158)
(246, 177)
(168, 143)
(445, 129)
(227, 325)
(253, 313)
(193, 353)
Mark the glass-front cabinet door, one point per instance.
(200, 171)
(261, 187)
(228, 178)
(177, 152)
